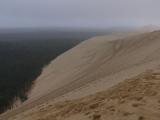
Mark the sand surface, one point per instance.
(94, 65)
(137, 98)
(93, 60)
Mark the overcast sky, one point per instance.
(78, 13)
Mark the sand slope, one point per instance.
(95, 59)
(137, 98)
(94, 65)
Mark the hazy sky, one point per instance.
(78, 13)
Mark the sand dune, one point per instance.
(95, 59)
(137, 98)
(93, 66)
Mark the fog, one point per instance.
(78, 13)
